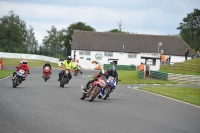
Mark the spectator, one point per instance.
(169, 59)
(1, 64)
(186, 53)
(163, 58)
(198, 54)
(141, 67)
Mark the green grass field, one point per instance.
(5, 73)
(131, 77)
(33, 63)
(189, 95)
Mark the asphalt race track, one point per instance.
(36, 106)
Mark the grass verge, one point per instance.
(32, 63)
(189, 95)
(5, 73)
(131, 77)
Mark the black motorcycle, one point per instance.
(18, 78)
(65, 77)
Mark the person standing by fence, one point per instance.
(186, 53)
(1, 64)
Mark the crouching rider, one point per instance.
(68, 64)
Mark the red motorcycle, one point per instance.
(94, 89)
(46, 73)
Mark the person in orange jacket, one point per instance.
(1, 64)
(163, 59)
(141, 67)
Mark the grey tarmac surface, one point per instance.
(36, 106)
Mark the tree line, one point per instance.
(17, 37)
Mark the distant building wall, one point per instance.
(121, 58)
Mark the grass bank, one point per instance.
(5, 73)
(189, 95)
(187, 67)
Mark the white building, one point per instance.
(125, 49)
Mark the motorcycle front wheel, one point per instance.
(107, 92)
(15, 82)
(94, 94)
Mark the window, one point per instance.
(132, 55)
(87, 52)
(81, 53)
(110, 54)
(84, 52)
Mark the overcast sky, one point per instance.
(158, 17)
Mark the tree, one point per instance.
(13, 33)
(190, 29)
(68, 37)
(115, 31)
(118, 30)
(53, 43)
(31, 44)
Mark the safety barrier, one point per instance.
(120, 67)
(181, 78)
(159, 75)
(141, 74)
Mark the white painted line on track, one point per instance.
(134, 88)
(5, 77)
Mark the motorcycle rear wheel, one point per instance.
(107, 92)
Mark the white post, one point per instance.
(159, 44)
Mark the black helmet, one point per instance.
(113, 69)
(69, 58)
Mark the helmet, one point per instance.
(113, 69)
(24, 61)
(21, 62)
(69, 58)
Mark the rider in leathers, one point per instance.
(69, 65)
(111, 72)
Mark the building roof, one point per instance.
(127, 43)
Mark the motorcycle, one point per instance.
(76, 70)
(93, 90)
(18, 78)
(110, 85)
(46, 73)
(65, 77)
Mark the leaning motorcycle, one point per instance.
(110, 86)
(18, 78)
(46, 73)
(93, 90)
(76, 70)
(65, 77)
